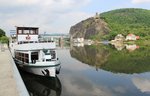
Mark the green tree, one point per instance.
(4, 39)
(2, 33)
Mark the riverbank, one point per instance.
(8, 85)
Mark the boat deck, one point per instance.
(8, 85)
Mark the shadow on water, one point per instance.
(40, 85)
(107, 57)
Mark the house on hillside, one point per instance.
(132, 37)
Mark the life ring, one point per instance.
(28, 37)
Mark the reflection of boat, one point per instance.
(32, 54)
(41, 85)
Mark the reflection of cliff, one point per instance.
(42, 86)
(90, 55)
(115, 61)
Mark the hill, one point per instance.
(108, 24)
(129, 20)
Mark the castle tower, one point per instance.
(97, 17)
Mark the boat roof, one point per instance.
(26, 28)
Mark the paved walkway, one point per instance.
(8, 85)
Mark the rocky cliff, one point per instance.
(91, 28)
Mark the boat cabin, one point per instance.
(27, 34)
(45, 55)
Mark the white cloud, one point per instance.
(142, 83)
(140, 1)
(72, 86)
(49, 15)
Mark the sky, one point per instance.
(57, 16)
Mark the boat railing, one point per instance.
(25, 42)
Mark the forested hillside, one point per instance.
(129, 20)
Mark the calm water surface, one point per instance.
(100, 70)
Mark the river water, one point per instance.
(96, 70)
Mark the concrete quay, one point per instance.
(11, 83)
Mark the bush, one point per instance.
(4, 39)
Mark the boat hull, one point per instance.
(48, 70)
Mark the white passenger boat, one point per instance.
(32, 54)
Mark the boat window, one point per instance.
(46, 52)
(53, 54)
(50, 52)
(26, 32)
(36, 31)
(34, 57)
(48, 59)
(32, 32)
(24, 57)
(20, 31)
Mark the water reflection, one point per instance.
(105, 57)
(129, 47)
(132, 47)
(79, 79)
(41, 86)
(142, 83)
(118, 46)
